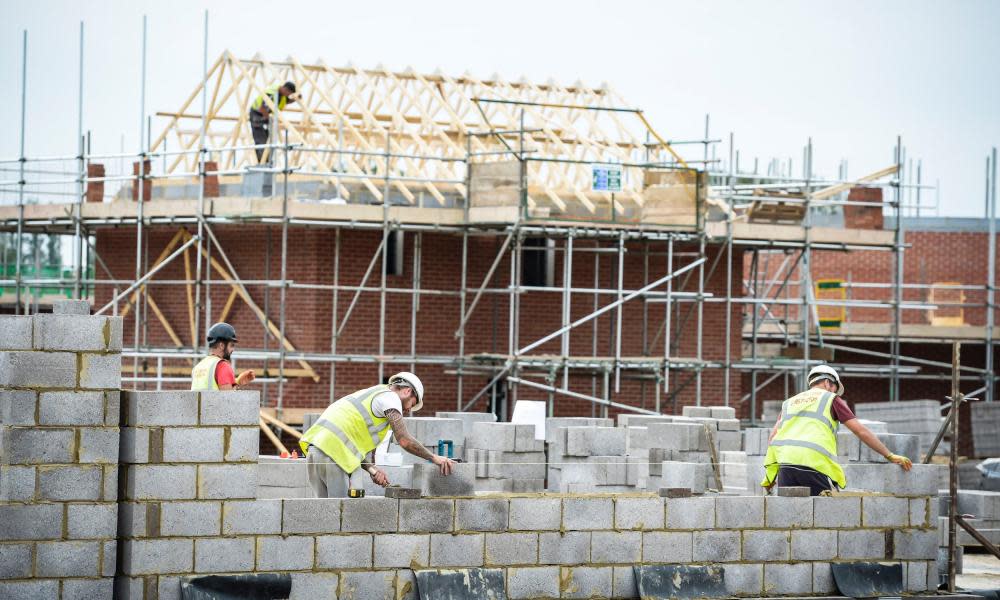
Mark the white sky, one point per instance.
(850, 74)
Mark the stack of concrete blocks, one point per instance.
(984, 506)
(507, 457)
(680, 452)
(189, 469)
(59, 406)
(555, 445)
(755, 449)
(921, 418)
(770, 411)
(283, 478)
(468, 420)
(986, 429)
(429, 431)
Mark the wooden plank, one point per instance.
(270, 435)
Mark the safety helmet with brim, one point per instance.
(407, 379)
(821, 372)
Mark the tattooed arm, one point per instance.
(410, 444)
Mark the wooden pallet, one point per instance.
(776, 212)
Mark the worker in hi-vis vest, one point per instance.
(260, 112)
(802, 448)
(343, 441)
(215, 372)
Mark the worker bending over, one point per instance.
(346, 435)
(260, 112)
(215, 372)
(802, 447)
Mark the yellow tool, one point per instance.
(352, 493)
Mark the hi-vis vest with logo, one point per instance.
(807, 437)
(203, 374)
(271, 91)
(348, 429)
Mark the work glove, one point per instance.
(902, 461)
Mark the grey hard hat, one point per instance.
(221, 332)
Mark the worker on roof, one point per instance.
(215, 372)
(343, 441)
(802, 448)
(260, 112)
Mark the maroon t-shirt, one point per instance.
(841, 411)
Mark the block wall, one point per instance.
(59, 417)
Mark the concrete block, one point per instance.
(98, 445)
(744, 579)
(427, 477)
(311, 515)
(786, 580)
(17, 407)
(523, 486)
(157, 557)
(69, 483)
(224, 555)
(16, 332)
(100, 371)
(71, 408)
(15, 560)
(915, 576)
(715, 546)
(293, 553)
(673, 436)
(860, 544)
(468, 419)
(458, 550)
(486, 514)
(623, 583)
(515, 465)
(309, 586)
(723, 412)
(789, 512)
(370, 515)
(51, 370)
(147, 409)
(426, 515)
(70, 307)
(639, 513)
(813, 544)
(243, 444)
(685, 475)
(920, 544)
(844, 511)
(528, 514)
(344, 551)
(368, 584)
(112, 408)
(823, 582)
(221, 482)
(233, 407)
(17, 483)
(161, 482)
(533, 582)
(91, 521)
(282, 472)
(29, 590)
(86, 589)
(429, 430)
(739, 512)
(765, 545)
(109, 558)
(110, 484)
(493, 436)
(524, 439)
(727, 441)
(920, 513)
(569, 548)
(667, 546)
(586, 582)
(193, 444)
(620, 547)
(595, 441)
(587, 513)
(71, 332)
(133, 445)
(29, 446)
(411, 551)
(505, 549)
(251, 517)
(690, 513)
(885, 511)
(698, 411)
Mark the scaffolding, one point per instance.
(408, 152)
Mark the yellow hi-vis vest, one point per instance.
(203, 374)
(807, 437)
(271, 91)
(348, 429)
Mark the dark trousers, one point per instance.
(260, 131)
(794, 475)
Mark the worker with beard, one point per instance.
(215, 372)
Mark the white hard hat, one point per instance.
(826, 372)
(414, 382)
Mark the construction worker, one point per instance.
(260, 112)
(215, 372)
(346, 435)
(802, 448)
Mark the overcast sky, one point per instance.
(850, 74)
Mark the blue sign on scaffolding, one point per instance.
(606, 177)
